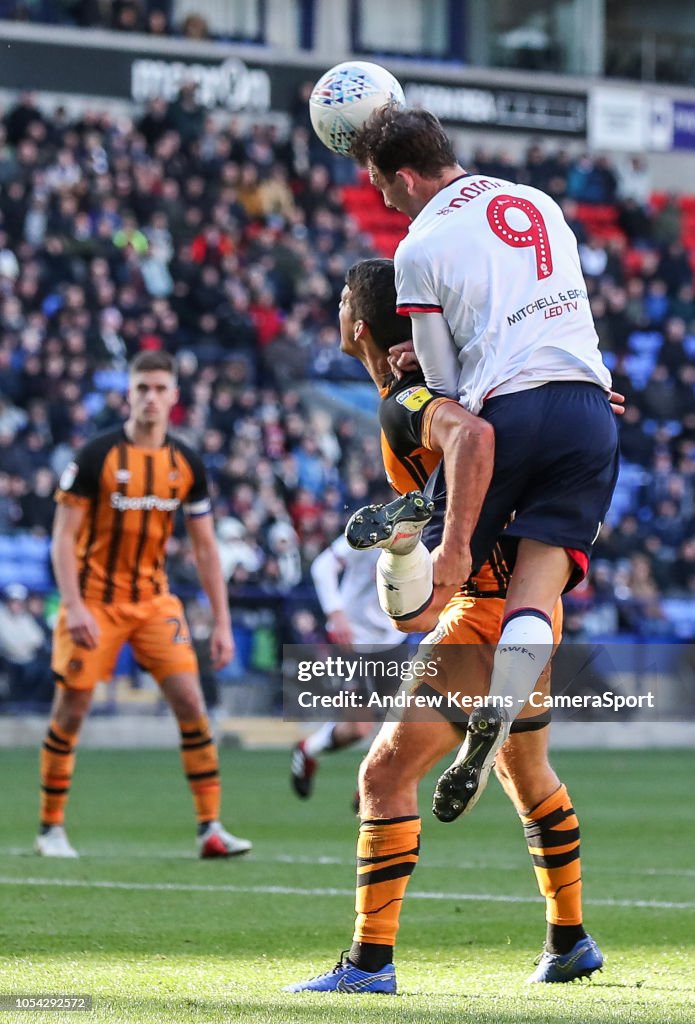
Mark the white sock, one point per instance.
(321, 740)
(524, 649)
(404, 582)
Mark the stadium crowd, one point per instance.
(156, 17)
(229, 248)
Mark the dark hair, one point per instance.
(372, 287)
(155, 359)
(393, 137)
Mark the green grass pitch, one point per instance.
(155, 935)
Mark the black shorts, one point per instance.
(556, 466)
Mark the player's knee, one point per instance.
(70, 710)
(186, 708)
(380, 772)
(184, 696)
(527, 782)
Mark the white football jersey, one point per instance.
(345, 579)
(500, 263)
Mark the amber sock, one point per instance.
(387, 852)
(56, 766)
(552, 835)
(201, 767)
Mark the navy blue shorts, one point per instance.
(556, 465)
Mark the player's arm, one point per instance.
(80, 622)
(325, 573)
(467, 445)
(436, 352)
(418, 296)
(201, 530)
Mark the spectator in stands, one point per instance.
(157, 22)
(24, 648)
(195, 27)
(235, 550)
(667, 222)
(634, 182)
(639, 603)
(127, 15)
(37, 503)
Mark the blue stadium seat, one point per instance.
(630, 478)
(639, 368)
(93, 402)
(111, 380)
(680, 611)
(645, 342)
(24, 558)
(7, 546)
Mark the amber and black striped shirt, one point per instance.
(405, 416)
(131, 495)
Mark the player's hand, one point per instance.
(617, 402)
(221, 645)
(402, 359)
(339, 629)
(450, 568)
(82, 626)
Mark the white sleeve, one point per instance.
(416, 290)
(325, 572)
(418, 298)
(436, 352)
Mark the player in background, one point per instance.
(489, 275)
(416, 429)
(345, 583)
(116, 507)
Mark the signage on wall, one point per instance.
(683, 125)
(260, 83)
(618, 119)
(525, 110)
(635, 121)
(231, 84)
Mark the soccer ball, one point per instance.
(343, 99)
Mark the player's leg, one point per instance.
(551, 829)
(561, 440)
(77, 670)
(556, 462)
(57, 765)
(387, 850)
(162, 645)
(541, 573)
(329, 737)
(396, 526)
(521, 657)
(404, 569)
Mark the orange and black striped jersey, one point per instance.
(405, 416)
(131, 495)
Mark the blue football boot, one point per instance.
(582, 960)
(344, 977)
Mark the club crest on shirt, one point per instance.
(414, 398)
(122, 476)
(67, 477)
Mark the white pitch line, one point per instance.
(325, 861)
(290, 890)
